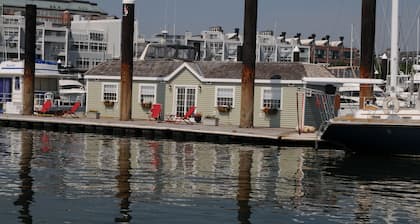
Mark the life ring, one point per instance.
(391, 104)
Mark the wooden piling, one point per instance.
(367, 50)
(29, 70)
(248, 64)
(127, 31)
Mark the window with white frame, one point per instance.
(147, 93)
(225, 96)
(271, 98)
(110, 92)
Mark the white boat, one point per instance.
(387, 130)
(71, 91)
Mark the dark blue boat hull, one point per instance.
(373, 138)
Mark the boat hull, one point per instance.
(375, 138)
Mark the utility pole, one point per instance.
(127, 31)
(248, 64)
(367, 48)
(29, 70)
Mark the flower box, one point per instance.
(224, 109)
(270, 111)
(146, 105)
(108, 103)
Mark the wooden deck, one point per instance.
(165, 130)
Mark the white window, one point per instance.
(271, 98)
(225, 96)
(147, 93)
(110, 92)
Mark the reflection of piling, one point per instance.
(127, 32)
(124, 190)
(248, 64)
(26, 195)
(244, 186)
(367, 48)
(29, 70)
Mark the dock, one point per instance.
(179, 131)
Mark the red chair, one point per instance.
(186, 117)
(189, 113)
(73, 109)
(45, 107)
(155, 111)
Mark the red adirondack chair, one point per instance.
(186, 117)
(189, 113)
(155, 111)
(73, 109)
(45, 107)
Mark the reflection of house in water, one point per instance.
(137, 170)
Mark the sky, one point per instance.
(321, 17)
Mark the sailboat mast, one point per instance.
(394, 47)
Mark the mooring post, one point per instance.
(127, 31)
(29, 69)
(367, 49)
(248, 64)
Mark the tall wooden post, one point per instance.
(367, 49)
(127, 31)
(248, 64)
(29, 70)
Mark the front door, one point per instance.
(5, 89)
(185, 98)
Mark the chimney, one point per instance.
(341, 38)
(66, 19)
(312, 36)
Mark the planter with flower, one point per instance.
(197, 117)
(108, 103)
(224, 108)
(146, 105)
(269, 111)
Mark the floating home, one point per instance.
(214, 88)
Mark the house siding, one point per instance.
(286, 117)
(94, 99)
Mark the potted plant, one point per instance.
(197, 117)
(108, 103)
(224, 108)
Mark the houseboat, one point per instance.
(213, 88)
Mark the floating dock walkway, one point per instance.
(180, 131)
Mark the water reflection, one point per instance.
(124, 190)
(26, 196)
(203, 183)
(244, 186)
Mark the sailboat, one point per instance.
(388, 130)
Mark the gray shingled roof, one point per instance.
(230, 70)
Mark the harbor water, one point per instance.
(52, 177)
